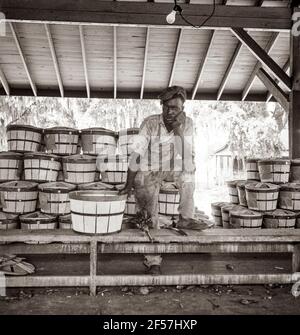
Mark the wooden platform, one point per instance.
(165, 241)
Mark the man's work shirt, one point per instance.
(157, 149)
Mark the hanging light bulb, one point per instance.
(171, 17)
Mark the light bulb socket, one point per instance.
(177, 9)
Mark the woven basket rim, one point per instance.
(61, 130)
(96, 196)
(24, 127)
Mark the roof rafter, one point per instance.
(272, 86)
(145, 62)
(84, 61)
(251, 79)
(262, 56)
(146, 13)
(175, 56)
(232, 62)
(115, 61)
(54, 59)
(203, 63)
(15, 36)
(285, 68)
(4, 82)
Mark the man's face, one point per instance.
(171, 108)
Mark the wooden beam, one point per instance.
(115, 61)
(251, 79)
(15, 36)
(81, 93)
(4, 82)
(262, 56)
(145, 62)
(83, 52)
(285, 68)
(54, 59)
(175, 56)
(203, 63)
(294, 115)
(271, 85)
(146, 14)
(225, 78)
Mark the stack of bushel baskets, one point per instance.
(269, 198)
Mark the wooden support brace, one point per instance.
(296, 258)
(93, 267)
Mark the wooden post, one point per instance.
(294, 111)
(296, 258)
(93, 267)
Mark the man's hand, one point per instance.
(178, 123)
(127, 189)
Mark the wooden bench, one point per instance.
(166, 241)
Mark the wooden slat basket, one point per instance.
(168, 199)
(19, 197)
(216, 212)
(97, 212)
(233, 192)
(245, 218)
(78, 169)
(289, 196)
(297, 220)
(9, 221)
(262, 197)
(23, 138)
(242, 192)
(274, 170)
(113, 169)
(295, 171)
(280, 218)
(127, 139)
(54, 197)
(65, 221)
(38, 220)
(252, 169)
(61, 140)
(41, 167)
(225, 210)
(98, 141)
(11, 166)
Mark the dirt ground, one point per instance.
(180, 300)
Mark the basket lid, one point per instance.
(24, 127)
(19, 185)
(243, 183)
(129, 131)
(65, 218)
(105, 195)
(228, 208)
(290, 187)
(280, 213)
(8, 216)
(252, 160)
(263, 187)
(41, 155)
(37, 216)
(79, 158)
(61, 130)
(218, 205)
(245, 213)
(98, 131)
(233, 183)
(11, 155)
(57, 187)
(169, 188)
(98, 185)
(274, 161)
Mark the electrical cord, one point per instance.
(179, 11)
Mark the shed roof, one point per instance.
(109, 60)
